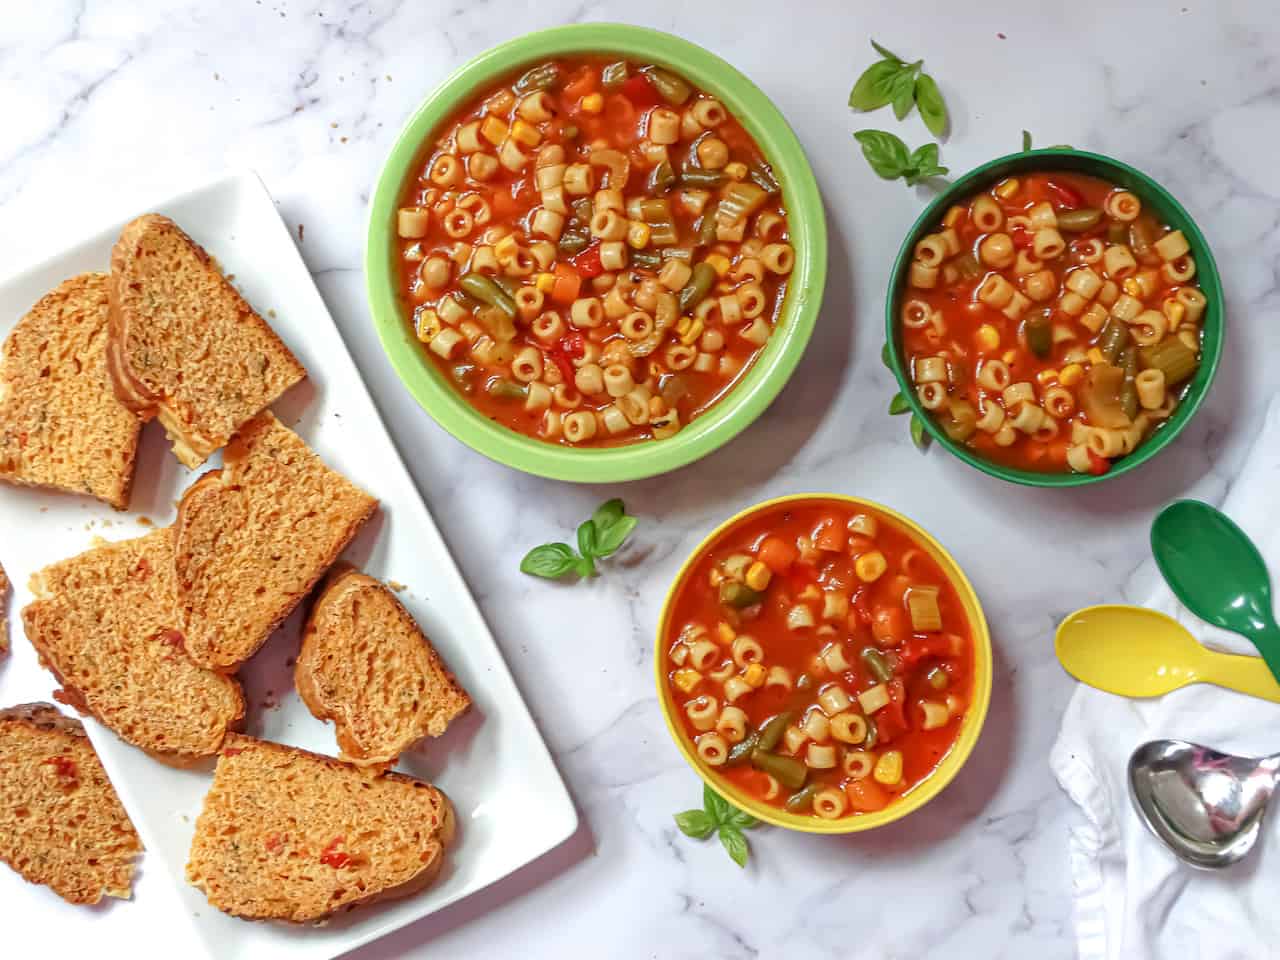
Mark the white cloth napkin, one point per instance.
(1133, 899)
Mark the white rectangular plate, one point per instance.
(512, 805)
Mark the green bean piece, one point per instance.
(509, 285)
(670, 87)
(1117, 232)
(740, 753)
(937, 678)
(655, 210)
(661, 178)
(1140, 239)
(1129, 390)
(1038, 331)
(741, 200)
(663, 233)
(968, 266)
(802, 800)
(542, 77)
(648, 259)
(877, 664)
(961, 422)
(804, 681)
(672, 387)
(482, 288)
(762, 176)
(678, 253)
(692, 177)
(771, 731)
(582, 209)
(506, 389)
(1173, 357)
(737, 595)
(700, 283)
(873, 735)
(614, 75)
(574, 242)
(1115, 337)
(569, 132)
(788, 771)
(706, 226)
(1078, 221)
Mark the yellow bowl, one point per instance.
(921, 793)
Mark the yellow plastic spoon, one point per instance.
(1136, 652)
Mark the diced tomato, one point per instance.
(831, 535)
(581, 83)
(892, 720)
(588, 262)
(889, 626)
(620, 114)
(273, 843)
(1021, 238)
(858, 544)
(866, 796)
(777, 554)
(232, 751)
(1067, 198)
(640, 91)
(568, 283)
(65, 767)
(1098, 465)
(574, 344)
(862, 610)
(331, 856)
(562, 362)
(916, 649)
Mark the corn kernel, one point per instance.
(592, 103)
(725, 633)
(428, 325)
(526, 133)
(692, 334)
(638, 235)
(683, 325)
(1071, 374)
(988, 337)
(494, 130)
(754, 675)
(888, 768)
(1007, 188)
(736, 170)
(718, 262)
(954, 216)
(1010, 356)
(687, 679)
(870, 566)
(1176, 312)
(1095, 356)
(1132, 287)
(1047, 376)
(545, 282)
(506, 248)
(758, 575)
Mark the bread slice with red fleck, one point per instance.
(367, 666)
(61, 425)
(290, 835)
(253, 538)
(104, 623)
(184, 344)
(61, 823)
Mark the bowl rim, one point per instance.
(954, 759)
(1206, 271)
(758, 386)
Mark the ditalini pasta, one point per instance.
(594, 252)
(820, 660)
(1052, 323)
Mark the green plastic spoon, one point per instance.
(1215, 570)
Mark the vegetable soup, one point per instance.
(819, 659)
(593, 253)
(1052, 323)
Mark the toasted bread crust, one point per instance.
(253, 538)
(366, 665)
(185, 346)
(102, 623)
(4, 612)
(290, 835)
(61, 425)
(61, 823)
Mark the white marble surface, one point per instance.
(104, 104)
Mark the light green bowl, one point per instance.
(758, 386)
(1153, 196)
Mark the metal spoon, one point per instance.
(1206, 806)
(1136, 652)
(1215, 570)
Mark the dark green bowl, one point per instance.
(1153, 196)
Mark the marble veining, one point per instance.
(107, 104)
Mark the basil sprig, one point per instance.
(890, 158)
(598, 537)
(722, 818)
(892, 80)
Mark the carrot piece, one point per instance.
(777, 554)
(567, 285)
(831, 535)
(581, 84)
(866, 796)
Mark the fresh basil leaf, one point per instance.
(933, 109)
(551, 560)
(1060, 146)
(923, 163)
(884, 356)
(735, 843)
(885, 53)
(899, 404)
(904, 93)
(1026, 140)
(715, 805)
(613, 536)
(587, 538)
(607, 514)
(875, 87)
(741, 819)
(695, 823)
(919, 435)
(886, 153)
(585, 567)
